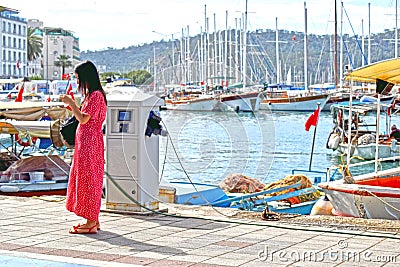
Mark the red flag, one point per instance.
(17, 64)
(20, 92)
(312, 120)
(69, 91)
(48, 99)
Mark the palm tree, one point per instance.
(35, 44)
(63, 62)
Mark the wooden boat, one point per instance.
(246, 101)
(35, 176)
(205, 103)
(372, 195)
(284, 199)
(281, 98)
(193, 99)
(198, 194)
(27, 173)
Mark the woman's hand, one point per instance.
(67, 99)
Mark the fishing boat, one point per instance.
(32, 164)
(295, 194)
(282, 97)
(363, 132)
(373, 195)
(376, 194)
(35, 176)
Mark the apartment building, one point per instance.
(57, 42)
(13, 44)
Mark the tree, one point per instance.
(63, 62)
(35, 44)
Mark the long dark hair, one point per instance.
(89, 80)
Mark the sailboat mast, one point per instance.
(278, 78)
(335, 48)
(244, 48)
(369, 33)
(396, 36)
(305, 49)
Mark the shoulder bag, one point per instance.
(68, 130)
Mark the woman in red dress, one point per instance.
(87, 169)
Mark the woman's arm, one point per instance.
(82, 117)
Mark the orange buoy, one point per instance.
(322, 207)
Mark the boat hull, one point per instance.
(196, 105)
(247, 102)
(34, 189)
(372, 196)
(368, 151)
(306, 103)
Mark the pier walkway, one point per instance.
(34, 232)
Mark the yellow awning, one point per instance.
(387, 70)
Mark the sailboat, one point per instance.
(284, 96)
(374, 195)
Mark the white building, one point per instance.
(13, 44)
(57, 42)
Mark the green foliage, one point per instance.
(63, 61)
(138, 77)
(36, 77)
(34, 44)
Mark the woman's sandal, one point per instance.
(98, 225)
(83, 230)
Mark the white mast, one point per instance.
(226, 50)
(305, 49)
(278, 78)
(244, 48)
(369, 33)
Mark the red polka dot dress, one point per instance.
(87, 170)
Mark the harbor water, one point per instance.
(205, 147)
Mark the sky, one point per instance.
(100, 24)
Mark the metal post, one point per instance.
(313, 142)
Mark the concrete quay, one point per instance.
(34, 232)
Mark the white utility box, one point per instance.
(132, 158)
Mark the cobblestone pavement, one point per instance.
(34, 232)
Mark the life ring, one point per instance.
(25, 143)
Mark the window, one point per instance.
(19, 44)
(4, 26)
(15, 42)
(4, 41)
(14, 28)
(19, 30)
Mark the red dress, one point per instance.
(87, 170)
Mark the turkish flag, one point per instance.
(312, 120)
(20, 92)
(69, 92)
